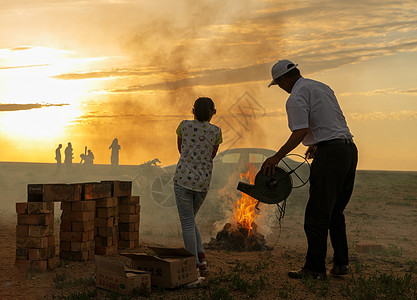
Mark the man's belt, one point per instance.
(334, 142)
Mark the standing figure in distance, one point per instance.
(114, 158)
(198, 142)
(68, 157)
(316, 119)
(58, 158)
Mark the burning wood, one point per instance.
(242, 235)
(235, 237)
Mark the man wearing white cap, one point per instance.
(316, 120)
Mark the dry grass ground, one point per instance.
(383, 211)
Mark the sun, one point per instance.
(42, 105)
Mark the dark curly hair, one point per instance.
(202, 108)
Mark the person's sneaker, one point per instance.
(304, 273)
(339, 270)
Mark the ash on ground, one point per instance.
(238, 238)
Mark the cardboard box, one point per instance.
(112, 275)
(169, 268)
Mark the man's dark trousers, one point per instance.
(331, 183)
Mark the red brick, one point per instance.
(129, 200)
(82, 226)
(121, 188)
(91, 254)
(106, 212)
(40, 230)
(103, 241)
(38, 254)
(127, 244)
(51, 252)
(62, 192)
(97, 190)
(129, 236)
(71, 236)
(83, 205)
(66, 205)
(64, 245)
(78, 216)
(81, 246)
(39, 265)
(23, 265)
(54, 192)
(106, 250)
(104, 222)
(31, 242)
(107, 202)
(22, 253)
(75, 256)
(44, 219)
(128, 209)
(106, 231)
(52, 262)
(128, 218)
(128, 227)
(22, 207)
(40, 208)
(22, 230)
(51, 240)
(66, 225)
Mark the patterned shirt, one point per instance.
(195, 164)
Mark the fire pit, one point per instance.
(242, 234)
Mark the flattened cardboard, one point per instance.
(169, 268)
(113, 276)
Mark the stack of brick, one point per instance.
(106, 226)
(129, 217)
(35, 243)
(77, 230)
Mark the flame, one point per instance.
(244, 208)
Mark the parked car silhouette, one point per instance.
(228, 164)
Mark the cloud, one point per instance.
(404, 115)
(28, 66)
(382, 92)
(17, 107)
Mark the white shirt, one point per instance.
(313, 105)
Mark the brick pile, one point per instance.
(35, 243)
(106, 226)
(92, 214)
(129, 217)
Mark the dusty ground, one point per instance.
(383, 211)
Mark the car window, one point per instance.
(256, 158)
(232, 158)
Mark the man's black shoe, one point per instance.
(304, 273)
(339, 270)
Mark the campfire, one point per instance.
(242, 234)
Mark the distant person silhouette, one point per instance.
(58, 158)
(87, 159)
(68, 157)
(115, 147)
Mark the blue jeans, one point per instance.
(188, 204)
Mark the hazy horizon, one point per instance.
(88, 71)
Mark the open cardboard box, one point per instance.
(113, 276)
(169, 267)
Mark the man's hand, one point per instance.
(268, 166)
(311, 151)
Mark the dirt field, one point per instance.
(383, 211)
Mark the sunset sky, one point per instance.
(88, 71)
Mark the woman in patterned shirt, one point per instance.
(198, 142)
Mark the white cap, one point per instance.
(280, 68)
